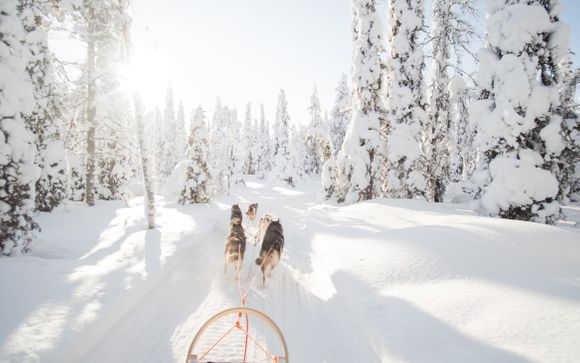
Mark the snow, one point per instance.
(516, 25)
(173, 186)
(552, 136)
(378, 281)
(518, 182)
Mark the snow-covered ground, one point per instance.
(380, 281)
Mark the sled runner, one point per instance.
(196, 354)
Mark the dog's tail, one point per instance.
(259, 261)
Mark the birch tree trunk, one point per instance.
(149, 201)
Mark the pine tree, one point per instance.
(520, 137)
(300, 152)
(566, 167)
(249, 141)
(227, 163)
(340, 113)
(115, 137)
(236, 162)
(180, 135)
(318, 142)
(405, 101)
(51, 187)
(219, 148)
(74, 136)
(450, 33)
(461, 132)
(359, 161)
(18, 174)
(264, 149)
(101, 24)
(198, 183)
(282, 168)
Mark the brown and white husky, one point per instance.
(235, 241)
(271, 251)
(252, 211)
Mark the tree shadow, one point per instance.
(400, 331)
(152, 251)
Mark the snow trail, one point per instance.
(380, 281)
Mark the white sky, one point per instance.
(246, 50)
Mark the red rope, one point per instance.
(243, 297)
(216, 343)
(247, 334)
(249, 285)
(271, 356)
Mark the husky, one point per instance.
(236, 215)
(252, 211)
(262, 227)
(235, 241)
(272, 245)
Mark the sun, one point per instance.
(147, 72)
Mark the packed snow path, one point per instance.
(379, 281)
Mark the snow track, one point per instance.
(376, 282)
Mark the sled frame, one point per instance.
(239, 311)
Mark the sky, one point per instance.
(246, 51)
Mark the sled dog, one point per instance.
(236, 216)
(235, 241)
(262, 227)
(272, 245)
(252, 211)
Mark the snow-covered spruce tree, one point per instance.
(74, 134)
(18, 174)
(362, 154)
(299, 151)
(100, 24)
(249, 142)
(170, 157)
(51, 187)
(340, 113)
(406, 171)
(318, 142)
(329, 179)
(450, 34)
(116, 144)
(236, 162)
(180, 135)
(220, 145)
(282, 165)
(225, 149)
(519, 135)
(198, 183)
(461, 132)
(566, 167)
(264, 147)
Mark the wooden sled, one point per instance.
(194, 356)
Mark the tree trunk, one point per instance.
(90, 166)
(149, 201)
